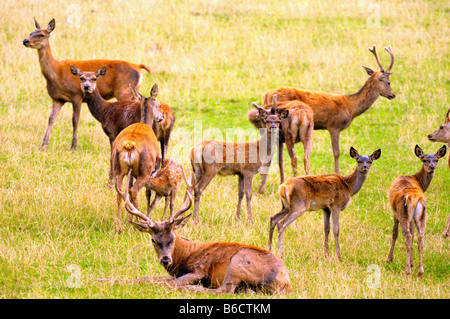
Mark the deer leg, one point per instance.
(119, 201)
(75, 120)
(446, 232)
(420, 224)
(204, 181)
(291, 150)
(335, 219)
(295, 212)
(405, 225)
(326, 229)
(262, 186)
(51, 120)
(274, 219)
(153, 204)
(281, 160)
(335, 145)
(173, 195)
(394, 239)
(248, 180)
(307, 145)
(240, 195)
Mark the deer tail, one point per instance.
(284, 191)
(146, 68)
(129, 145)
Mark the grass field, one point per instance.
(211, 59)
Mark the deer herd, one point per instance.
(135, 125)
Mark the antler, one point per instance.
(374, 51)
(185, 207)
(128, 205)
(448, 113)
(391, 53)
(274, 105)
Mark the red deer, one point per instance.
(165, 184)
(335, 111)
(115, 116)
(63, 87)
(408, 203)
(297, 127)
(442, 135)
(135, 150)
(219, 267)
(210, 158)
(331, 193)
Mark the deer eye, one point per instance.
(442, 127)
(153, 242)
(83, 79)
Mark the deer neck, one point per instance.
(423, 178)
(362, 100)
(182, 250)
(355, 181)
(48, 63)
(96, 104)
(267, 144)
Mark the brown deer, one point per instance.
(443, 135)
(135, 151)
(63, 87)
(165, 184)
(331, 193)
(335, 111)
(297, 127)
(408, 203)
(219, 267)
(210, 158)
(115, 116)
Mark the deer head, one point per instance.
(148, 103)
(39, 38)
(430, 161)
(381, 77)
(88, 80)
(364, 161)
(443, 133)
(272, 118)
(163, 235)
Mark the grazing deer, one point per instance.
(443, 135)
(408, 203)
(165, 184)
(335, 111)
(210, 158)
(63, 87)
(219, 267)
(116, 116)
(297, 127)
(331, 193)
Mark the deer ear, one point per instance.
(376, 155)
(353, 153)
(262, 113)
(441, 152)
(101, 71)
(51, 26)
(368, 70)
(154, 91)
(418, 151)
(36, 24)
(137, 95)
(283, 113)
(142, 227)
(75, 71)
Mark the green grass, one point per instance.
(211, 60)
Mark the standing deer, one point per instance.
(408, 203)
(210, 158)
(331, 193)
(63, 87)
(297, 127)
(443, 135)
(165, 184)
(335, 111)
(219, 267)
(115, 116)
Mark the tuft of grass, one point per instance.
(211, 60)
